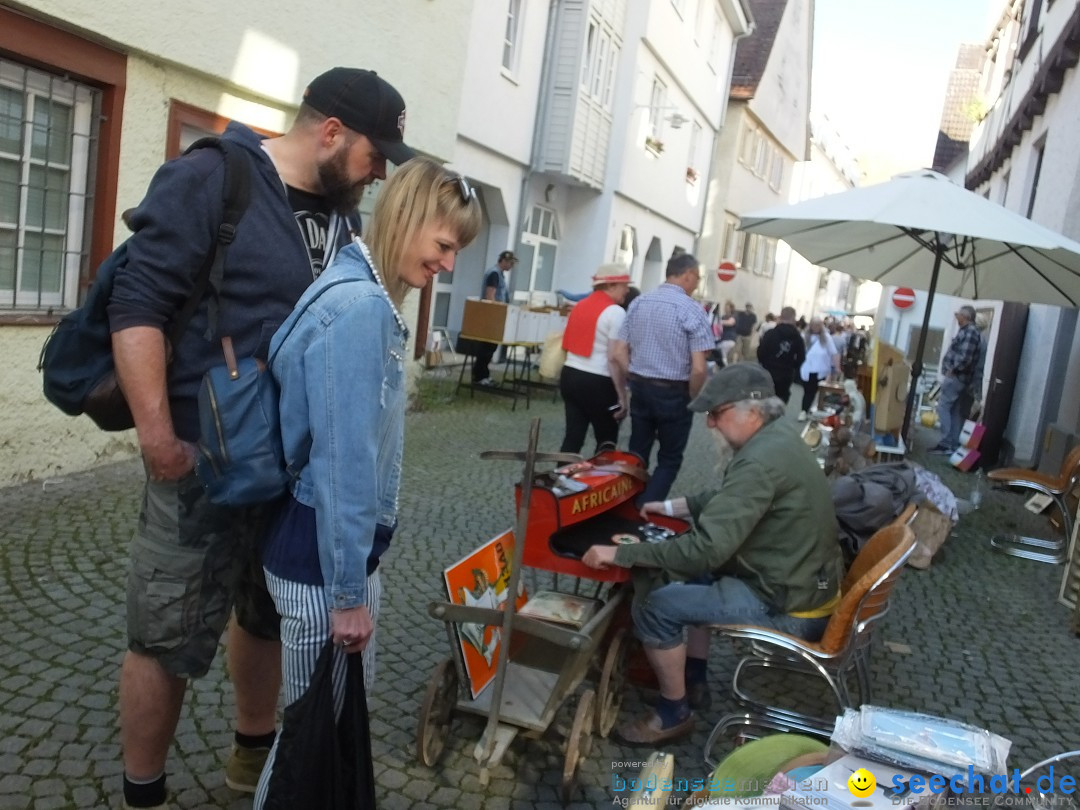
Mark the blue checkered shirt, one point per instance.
(960, 358)
(664, 328)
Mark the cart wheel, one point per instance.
(578, 743)
(436, 713)
(612, 684)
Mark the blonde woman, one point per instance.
(341, 368)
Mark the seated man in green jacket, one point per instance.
(763, 550)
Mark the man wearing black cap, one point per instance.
(494, 288)
(763, 550)
(193, 562)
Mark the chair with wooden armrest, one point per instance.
(1053, 551)
(843, 648)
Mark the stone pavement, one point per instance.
(978, 637)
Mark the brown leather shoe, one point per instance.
(647, 730)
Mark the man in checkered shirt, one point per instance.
(957, 370)
(661, 348)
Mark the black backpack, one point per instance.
(76, 362)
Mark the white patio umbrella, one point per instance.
(922, 230)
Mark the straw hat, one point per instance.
(611, 274)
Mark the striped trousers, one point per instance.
(305, 629)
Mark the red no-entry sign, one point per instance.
(726, 271)
(903, 298)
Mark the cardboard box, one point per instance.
(531, 327)
(932, 529)
(972, 434)
(964, 459)
(490, 320)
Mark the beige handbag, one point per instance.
(552, 356)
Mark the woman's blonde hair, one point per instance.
(419, 192)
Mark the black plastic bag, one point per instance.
(319, 766)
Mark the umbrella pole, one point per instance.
(917, 367)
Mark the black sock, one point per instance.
(697, 670)
(145, 794)
(672, 711)
(254, 740)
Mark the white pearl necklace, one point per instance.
(378, 280)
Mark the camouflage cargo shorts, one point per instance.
(191, 563)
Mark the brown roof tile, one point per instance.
(752, 52)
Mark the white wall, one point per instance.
(658, 182)
(498, 107)
(269, 49)
(782, 100)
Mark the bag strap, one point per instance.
(296, 320)
(236, 192)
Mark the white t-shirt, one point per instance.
(820, 351)
(607, 328)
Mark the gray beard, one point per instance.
(724, 453)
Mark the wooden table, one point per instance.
(515, 384)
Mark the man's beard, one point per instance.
(341, 194)
(724, 452)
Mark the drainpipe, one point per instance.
(541, 115)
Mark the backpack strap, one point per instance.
(296, 320)
(235, 196)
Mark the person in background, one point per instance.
(592, 384)
(957, 372)
(745, 321)
(495, 288)
(781, 352)
(342, 426)
(767, 324)
(726, 323)
(662, 348)
(762, 550)
(193, 562)
(631, 293)
(822, 361)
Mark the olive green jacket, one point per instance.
(771, 523)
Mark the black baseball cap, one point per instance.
(508, 256)
(365, 103)
(734, 383)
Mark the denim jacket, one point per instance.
(341, 373)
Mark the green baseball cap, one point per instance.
(734, 383)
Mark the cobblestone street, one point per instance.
(979, 637)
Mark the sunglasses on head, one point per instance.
(466, 191)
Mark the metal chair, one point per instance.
(844, 647)
(1056, 486)
(1041, 788)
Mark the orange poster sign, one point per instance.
(481, 579)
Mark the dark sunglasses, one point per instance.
(466, 191)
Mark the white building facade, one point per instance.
(94, 96)
(766, 133)
(587, 126)
(1023, 156)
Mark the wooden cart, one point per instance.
(541, 665)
